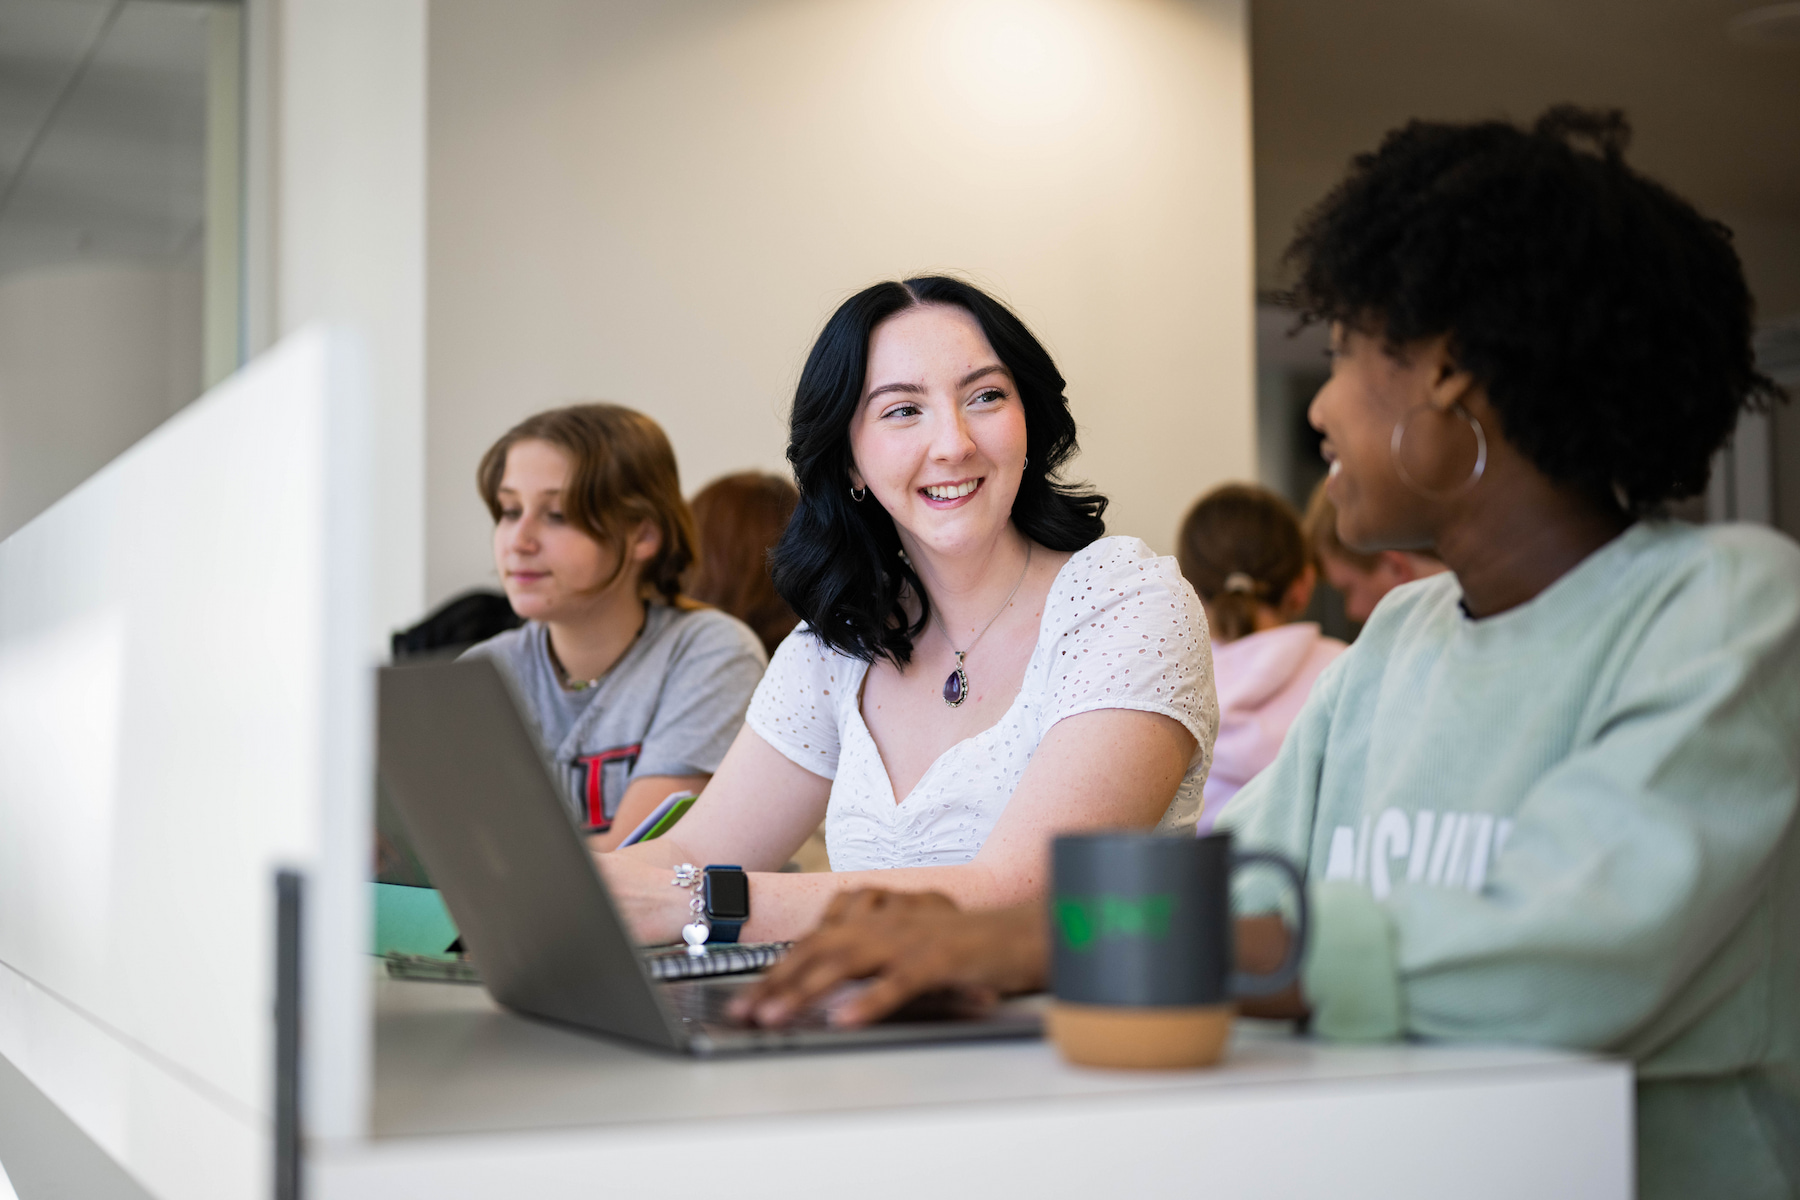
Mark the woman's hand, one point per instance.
(911, 944)
(645, 893)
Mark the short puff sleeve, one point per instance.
(798, 705)
(1132, 634)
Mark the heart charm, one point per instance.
(695, 933)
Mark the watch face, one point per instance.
(727, 895)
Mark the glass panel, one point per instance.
(120, 229)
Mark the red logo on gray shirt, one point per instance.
(593, 782)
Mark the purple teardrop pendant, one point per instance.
(956, 688)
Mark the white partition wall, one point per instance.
(183, 709)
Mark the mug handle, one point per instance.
(1244, 983)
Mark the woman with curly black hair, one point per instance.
(979, 668)
(1549, 796)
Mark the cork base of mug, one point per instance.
(1096, 1035)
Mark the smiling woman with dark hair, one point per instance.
(841, 565)
(980, 668)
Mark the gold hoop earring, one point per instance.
(1461, 489)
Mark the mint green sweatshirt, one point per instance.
(1571, 824)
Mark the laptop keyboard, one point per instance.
(706, 1002)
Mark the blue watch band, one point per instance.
(726, 924)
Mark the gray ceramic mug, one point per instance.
(1142, 956)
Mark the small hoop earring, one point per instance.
(1460, 489)
(857, 494)
(1026, 463)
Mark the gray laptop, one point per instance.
(485, 818)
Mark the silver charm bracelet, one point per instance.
(696, 931)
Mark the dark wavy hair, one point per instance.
(1606, 319)
(838, 564)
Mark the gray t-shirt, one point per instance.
(670, 706)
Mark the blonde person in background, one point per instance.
(1242, 549)
(1362, 579)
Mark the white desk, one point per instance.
(474, 1101)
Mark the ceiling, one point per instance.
(102, 130)
(103, 102)
(1716, 119)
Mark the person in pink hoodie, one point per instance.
(1242, 549)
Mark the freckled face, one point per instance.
(550, 570)
(940, 438)
(1368, 393)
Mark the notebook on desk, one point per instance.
(664, 963)
(482, 813)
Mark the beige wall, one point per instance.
(659, 204)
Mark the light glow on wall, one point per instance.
(659, 205)
(1020, 65)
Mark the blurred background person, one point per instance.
(1242, 548)
(740, 517)
(1363, 579)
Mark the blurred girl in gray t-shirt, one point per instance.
(635, 690)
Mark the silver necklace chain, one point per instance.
(569, 683)
(961, 692)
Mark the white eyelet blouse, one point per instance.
(1121, 629)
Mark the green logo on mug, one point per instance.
(1086, 919)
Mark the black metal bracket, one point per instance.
(289, 886)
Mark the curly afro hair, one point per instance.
(1606, 319)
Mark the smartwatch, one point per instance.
(726, 894)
